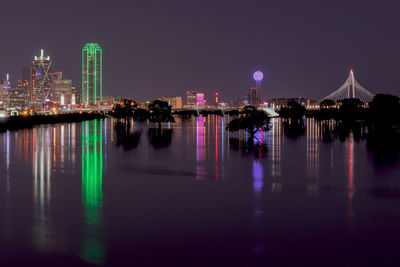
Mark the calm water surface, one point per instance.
(77, 194)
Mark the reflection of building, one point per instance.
(92, 190)
(92, 77)
(313, 138)
(276, 148)
(174, 102)
(200, 148)
(41, 80)
(42, 146)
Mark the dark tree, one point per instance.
(160, 111)
(350, 109)
(124, 109)
(383, 136)
(252, 120)
(327, 103)
(385, 110)
(293, 110)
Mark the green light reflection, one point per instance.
(92, 192)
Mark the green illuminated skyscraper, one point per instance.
(92, 74)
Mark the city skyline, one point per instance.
(300, 53)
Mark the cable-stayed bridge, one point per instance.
(351, 89)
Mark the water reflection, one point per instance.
(313, 139)
(127, 136)
(160, 137)
(276, 148)
(258, 184)
(350, 185)
(7, 149)
(200, 148)
(47, 207)
(93, 249)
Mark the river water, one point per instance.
(90, 193)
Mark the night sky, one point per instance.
(165, 47)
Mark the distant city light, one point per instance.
(199, 99)
(258, 75)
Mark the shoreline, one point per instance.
(26, 122)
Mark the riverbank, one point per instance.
(23, 122)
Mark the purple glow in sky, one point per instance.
(258, 75)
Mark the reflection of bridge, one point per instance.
(351, 89)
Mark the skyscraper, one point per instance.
(252, 99)
(92, 77)
(41, 70)
(55, 76)
(63, 91)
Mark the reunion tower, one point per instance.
(258, 76)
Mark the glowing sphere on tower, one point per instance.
(258, 75)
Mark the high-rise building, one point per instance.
(92, 77)
(26, 79)
(194, 98)
(174, 102)
(63, 91)
(200, 99)
(76, 96)
(41, 70)
(26, 74)
(3, 93)
(252, 96)
(55, 76)
(18, 97)
(216, 99)
(190, 98)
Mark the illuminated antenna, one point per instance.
(42, 57)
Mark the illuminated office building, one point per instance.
(76, 96)
(19, 96)
(55, 76)
(194, 99)
(174, 102)
(92, 77)
(63, 91)
(41, 80)
(3, 93)
(190, 98)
